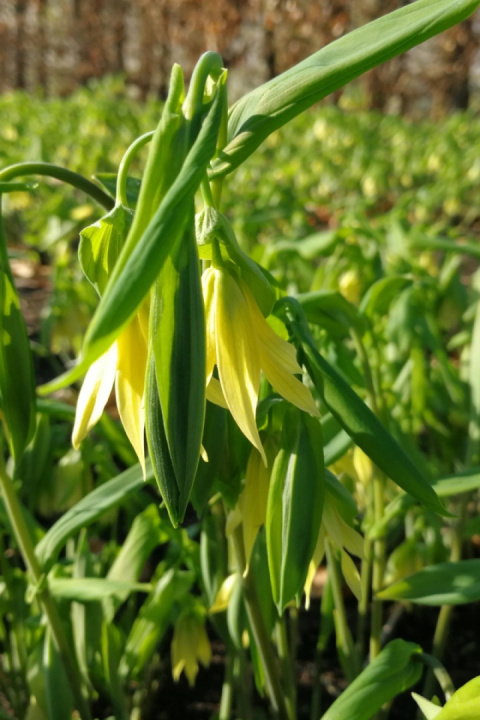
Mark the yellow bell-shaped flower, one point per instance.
(241, 344)
(124, 364)
(190, 645)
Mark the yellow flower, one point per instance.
(124, 364)
(190, 645)
(241, 344)
(251, 507)
(341, 535)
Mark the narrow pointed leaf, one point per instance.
(90, 508)
(449, 583)
(262, 111)
(395, 669)
(356, 418)
(178, 336)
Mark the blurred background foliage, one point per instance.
(56, 45)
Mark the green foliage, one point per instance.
(363, 230)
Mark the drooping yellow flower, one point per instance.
(342, 536)
(251, 507)
(190, 645)
(241, 344)
(124, 364)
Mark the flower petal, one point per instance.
(94, 394)
(253, 501)
(130, 385)
(215, 393)
(317, 558)
(208, 286)
(279, 360)
(237, 356)
(351, 575)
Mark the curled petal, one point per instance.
(94, 394)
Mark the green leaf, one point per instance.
(449, 583)
(459, 483)
(294, 509)
(109, 181)
(394, 670)
(379, 295)
(91, 589)
(143, 537)
(178, 340)
(17, 381)
(330, 310)
(90, 508)
(356, 418)
(464, 704)
(153, 620)
(101, 243)
(255, 116)
(58, 696)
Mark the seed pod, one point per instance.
(295, 504)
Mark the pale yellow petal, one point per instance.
(130, 385)
(208, 287)
(317, 558)
(351, 575)
(215, 394)
(203, 648)
(253, 501)
(351, 539)
(224, 594)
(282, 351)
(331, 520)
(287, 385)
(237, 356)
(94, 394)
(279, 360)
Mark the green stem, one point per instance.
(378, 567)
(272, 678)
(227, 687)
(444, 679)
(363, 612)
(442, 627)
(125, 163)
(59, 173)
(367, 371)
(344, 636)
(287, 666)
(243, 686)
(25, 544)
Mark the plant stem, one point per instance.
(365, 579)
(272, 678)
(227, 687)
(59, 173)
(28, 553)
(344, 635)
(125, 163)
(287, 666)
(378, 567)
